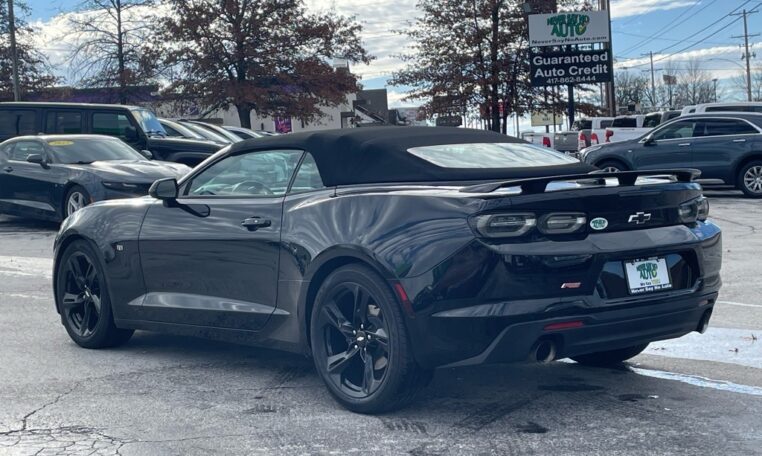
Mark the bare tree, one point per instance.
(115, 44)
(739, 83)
(694, 85)
(630, 88)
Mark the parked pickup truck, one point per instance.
(538, 138)
(581, 134)
(630, 127)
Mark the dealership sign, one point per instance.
(563, 68)
(568, 28)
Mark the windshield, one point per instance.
(208, 134)
(584, 124)
(88, 150)
(220, 131)
(182, 130)
(149, 122)
(491, 155)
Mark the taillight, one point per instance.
(505, 225)
(581, 141)
(546, 141)
(594, 139)
(609, 134)
(562, 223)
(696, 209)
(520, 223)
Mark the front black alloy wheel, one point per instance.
(83, 301)
(360, 345)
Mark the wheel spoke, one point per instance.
(337, 363)
(90, 275)
(379, 338)
(368, 378)
(361, 299)
(76, 270)
(96, 301)
(85, 327)
(71, 300)
(334, 316)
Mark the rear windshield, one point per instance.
(583, 124)
(626, 122)
(490, 155)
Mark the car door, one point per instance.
(211, 258)
(669, 146)
(719, 143)
(118, 124)
(29, 186)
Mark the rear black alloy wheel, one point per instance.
(360, 345)
(750, 179)
(82, 298)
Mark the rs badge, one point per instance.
(599, 223)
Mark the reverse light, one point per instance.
(505, 225)
(562, 223)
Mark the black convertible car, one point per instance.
(52, 176)
(386, 252)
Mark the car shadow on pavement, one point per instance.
(9, 223)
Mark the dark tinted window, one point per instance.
(110, 123)
(734, 108)
(606, 123)
(724, 127)
(676, 130)
(626, 122)
(584, 124)
(16, 122)
(308, 177)
(253, 174)
(672, 115)
(652, 120)
(64, 122)
(23, 149)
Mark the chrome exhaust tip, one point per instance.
(544, 351)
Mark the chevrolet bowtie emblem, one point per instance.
(639, 218)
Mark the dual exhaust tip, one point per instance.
(543, 352)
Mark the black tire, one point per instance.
(749, 179)
(83, 300)
(610, 358)
(612, 165)
(75, 192)
(369, 376)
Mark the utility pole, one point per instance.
(653, 79)
(747, 54)
(610, 97)
(14, 52)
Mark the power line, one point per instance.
(672, 39)
(670, 26)
(705, 28)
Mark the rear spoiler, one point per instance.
(539, 184)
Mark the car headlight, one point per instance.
(587, 150)
(695, 209)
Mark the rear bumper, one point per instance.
(606, 330)
(472, 319)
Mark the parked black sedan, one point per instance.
(52, 176)
(726, 147)
(386, 252)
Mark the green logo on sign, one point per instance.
(648, 270)
(569, 25)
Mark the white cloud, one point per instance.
(627, 8)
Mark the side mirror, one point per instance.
(130, 133)
(38, 159)
(649, 141)
(147, 154)
(164, 189)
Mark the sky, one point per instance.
(674, 30)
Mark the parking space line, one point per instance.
(740, 304)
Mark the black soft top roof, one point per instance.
(379, 155)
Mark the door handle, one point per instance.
(8, 169)
(739, 140)
(683, 144)
(254, 223)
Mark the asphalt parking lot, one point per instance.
(160, 394)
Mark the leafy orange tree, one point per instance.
(272, 57)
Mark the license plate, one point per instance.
(644, 276)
